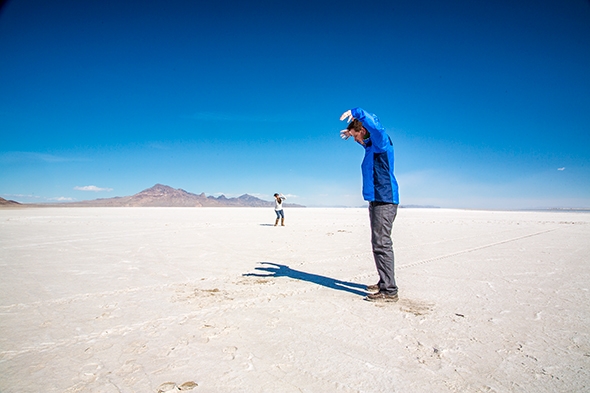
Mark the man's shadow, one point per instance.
(277, 270)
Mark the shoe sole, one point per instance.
(382, 299)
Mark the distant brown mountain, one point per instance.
(164, 196)
(8, 203)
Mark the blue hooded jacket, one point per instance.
(379, 183)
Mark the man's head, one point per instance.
(357, 131)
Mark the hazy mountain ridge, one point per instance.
(8, 203)
(165, 196)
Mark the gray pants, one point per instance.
(382, 216)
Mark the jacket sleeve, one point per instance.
(371, 123)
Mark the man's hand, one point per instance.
(347, 116)
(345, 134)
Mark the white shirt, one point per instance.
(279, 202)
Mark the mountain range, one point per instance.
(8, 202)
(165, 196)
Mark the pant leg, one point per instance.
(382, 217)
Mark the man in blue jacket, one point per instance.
(381, 191)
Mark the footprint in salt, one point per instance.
(188, 385)
(230, 352)
(168, 387)
(89, 372)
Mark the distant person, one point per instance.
(279, 198)
(381, 191)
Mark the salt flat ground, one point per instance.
(127, 299)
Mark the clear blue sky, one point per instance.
(487, 102)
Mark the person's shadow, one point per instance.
(277, 270)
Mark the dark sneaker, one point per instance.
(382, 297)
(374, 287)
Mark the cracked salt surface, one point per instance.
(130, 299)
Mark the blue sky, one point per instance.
(487, 103)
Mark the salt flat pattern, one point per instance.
(129, 299)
